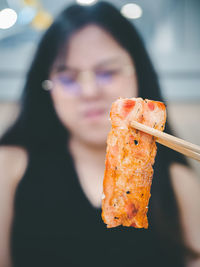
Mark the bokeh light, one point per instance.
(131, 11)
(26, 15)
(8, 18)
(86, 2)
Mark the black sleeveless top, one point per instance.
(55, 224)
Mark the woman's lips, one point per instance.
(93, 113)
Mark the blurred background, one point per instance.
(169, 28)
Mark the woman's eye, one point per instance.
(67, 80)
(105, 76)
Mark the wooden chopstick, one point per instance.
(182, 150)
(175, 143)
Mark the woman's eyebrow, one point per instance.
(63, 67)
(107, 62)
(103, 63)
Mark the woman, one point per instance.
(51, 197)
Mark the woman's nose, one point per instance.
(88, 84)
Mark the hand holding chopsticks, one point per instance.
(177, 144)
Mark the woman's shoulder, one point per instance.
(185, 181)
(187, 190)
(13, 163)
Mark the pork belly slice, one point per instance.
(129, 159)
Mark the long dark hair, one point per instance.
(38, 127)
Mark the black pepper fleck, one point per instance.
(116, 218)
(115, 167)
(128, 192)
(136, 142)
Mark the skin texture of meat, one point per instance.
(129, 159)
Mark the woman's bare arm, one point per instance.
(13, 162)
(187, 189)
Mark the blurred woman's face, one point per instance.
(95, 72)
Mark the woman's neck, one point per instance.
(89, 163)
(87, 153)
